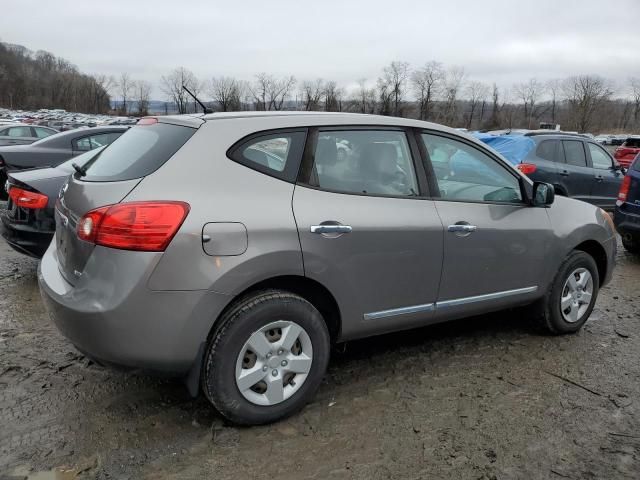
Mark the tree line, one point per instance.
(433, 92)
(30, 81)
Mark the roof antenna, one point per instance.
(204, 109)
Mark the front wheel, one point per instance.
(266, 359)
(570, 300)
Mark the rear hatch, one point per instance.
(633, 196)
(110, 177)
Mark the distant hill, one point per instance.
(30, 81)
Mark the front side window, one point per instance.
(574, 153)
(599, 157)
(366, 162)
(464, 173)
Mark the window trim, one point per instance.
(590, 159)
(308, 160)
(292, 165)
(522, 183)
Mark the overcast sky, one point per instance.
(494, 40)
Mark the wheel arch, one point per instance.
(599, 255)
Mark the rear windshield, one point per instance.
(137, 153)
(632, 142)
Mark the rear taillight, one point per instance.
(26, 199)
(145, 226)
(527, 168)
(624, 190)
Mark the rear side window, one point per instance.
(547, 150)
(85, 144)
(632, 143)
(19, 132)
(140, 151)
(366, 162)
(574, 153)
(43, 132)
(277, 154)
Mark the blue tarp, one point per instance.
(512, 147)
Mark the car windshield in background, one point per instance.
(138, 152)
(632, 142)
(80, 160)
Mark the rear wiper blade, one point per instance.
(82, 171)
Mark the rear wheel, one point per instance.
(572, 296)
(266, 359)
(631, 243)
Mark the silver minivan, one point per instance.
(233, 249)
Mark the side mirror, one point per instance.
(543, 194)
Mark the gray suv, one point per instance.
(233, 249)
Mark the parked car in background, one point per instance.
(627, 213)
(23, 134)
(180, 249)
(28, 223)
(576, 166)
(54, 150)
(626, 153)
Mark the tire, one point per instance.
(266, 322)
(631, 243)
(550, 311)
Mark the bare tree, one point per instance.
(427, 83)
(634, 83)
(476, 92)
(365, 98)
(142, 91)
(313, 94)
(270, 93)
(393, 80)
(333, 97)
(585, 94)
(554, 87)
(125, 84)
(529, 93)
(227, 92)
(172, 84)
(453, 83)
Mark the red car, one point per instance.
(626, 153)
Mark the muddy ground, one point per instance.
(484, 398)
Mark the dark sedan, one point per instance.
(54, 150)
(28, 223)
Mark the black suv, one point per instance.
(575, 165)
(627, 214)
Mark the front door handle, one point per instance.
(564, 173)
(462, 228)
(599, 178)
(323, 229)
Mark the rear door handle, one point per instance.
(322, 229)
(462, 228)
(599, 178)
(564, 172)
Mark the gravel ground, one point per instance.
(488, 397)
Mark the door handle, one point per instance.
(322, 229)
(462, 228)
(599, 178)
(564, 172)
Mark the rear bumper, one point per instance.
(626, 222)
(111, 316)
(24, 238)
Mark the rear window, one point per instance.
(137, 153)
(632, 142)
